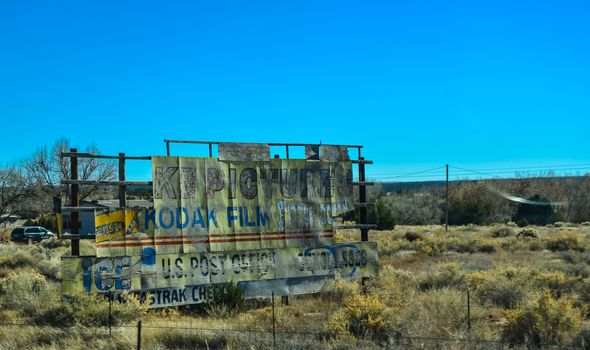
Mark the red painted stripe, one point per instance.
(220, 241)
(215, 235)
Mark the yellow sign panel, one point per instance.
(210, 205)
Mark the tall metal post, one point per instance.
(74, 202)
(122, 188)
(447, 198)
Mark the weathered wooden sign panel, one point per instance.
(180, 273)
(205, 204)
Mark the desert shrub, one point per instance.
(536, 245)
(502, 288)
(446, 275)
(412, 236)
(91, 310)
(502, 232)
(362, 316)
(557, 282)
(440, 314)
(186, 340)
(16, 259)
(460, 245)
(392, 286)
(419, 208)
(582, 339)
(528, 233)
(584, 290)
(434, 246)
(543, 321)
(26, 291)
(485, 245)
(565, 241)
(473, 203)
(50, 268)
(55, 243)
(341, 289)
(226, 300)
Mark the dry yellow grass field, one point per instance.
(527, 287)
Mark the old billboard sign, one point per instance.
(264, 223)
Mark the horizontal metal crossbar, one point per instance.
(199, 142)
(106, 183)
(102, 156)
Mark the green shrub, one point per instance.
(381, 215)
(225, 300)
(412, 236)
(543, 321)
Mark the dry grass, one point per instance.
(419, 294)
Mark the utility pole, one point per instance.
(447, 199)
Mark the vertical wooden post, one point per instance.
(122, 188)
(210, 150)
(273, 322)
(167, 148)
(110, 315)
(139, 335)
(363, 201)
(287, 151)
(74, 202)
(447, 198)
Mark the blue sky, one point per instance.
(477, 84)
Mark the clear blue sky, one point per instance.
(478, 84)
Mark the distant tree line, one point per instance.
(534, 201)
(28, 187)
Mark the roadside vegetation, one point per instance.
(528, 287)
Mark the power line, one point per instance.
(467, 172)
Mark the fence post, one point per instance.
(139, 335)
(273, 322)
(110, 315)
(468, 312)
